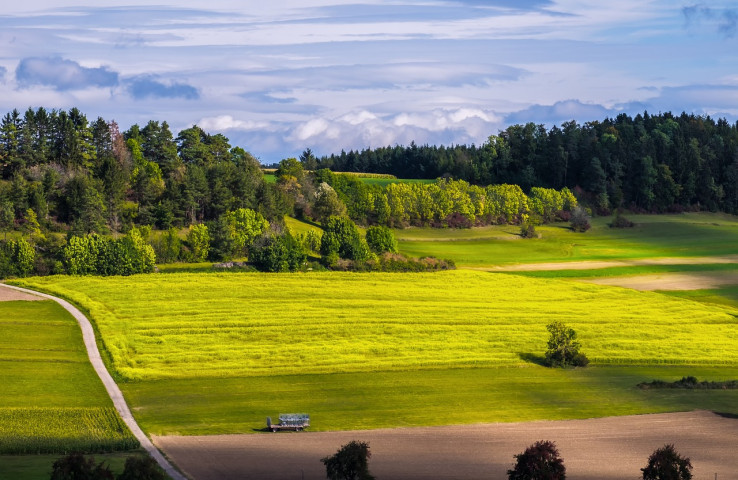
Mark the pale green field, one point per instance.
(217, 325)
(682, 235)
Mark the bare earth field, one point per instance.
(605, 448)
(594, 264)
(671, 281)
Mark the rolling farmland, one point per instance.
(210, 325)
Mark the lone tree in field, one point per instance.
(540, 461)
(349, 462)
(666, 464)
(563, 347)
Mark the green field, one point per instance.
(382, 182)
(683, 235)
(217, 353)
(216, 325)
(38, 467)
(51, 400)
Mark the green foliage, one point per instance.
(96, 255)
(76, 467)
(621, 222)
(381, 239)
(198, 242)
(327, 203)
(31, 226)
(665, 463)
(350, 462)
(289, 167)
(141, 468)
(540, 461)
(245, 226)
(278, 253)
(169, 247)
(580, 220)
(341, 237)
(22, 256)
(563, 347)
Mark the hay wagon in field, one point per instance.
(289, 421)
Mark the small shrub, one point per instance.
(141, 468)
(579, 220)
(621, 222)
(350, 462)
(381, 239)
(666, 464)
(563, 347)
(540, 461)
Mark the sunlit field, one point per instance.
(215, 325)
(683, 235)
(51, 400)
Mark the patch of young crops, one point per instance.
(218, 325)
(62, 430)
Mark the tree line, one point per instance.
(655, 163)
(64, 176)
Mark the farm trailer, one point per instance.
(289, 421)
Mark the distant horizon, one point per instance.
(337, 75)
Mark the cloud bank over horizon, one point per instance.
(337, 75)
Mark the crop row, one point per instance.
(215, 325)
(62, 430)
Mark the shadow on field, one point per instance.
(533, 358)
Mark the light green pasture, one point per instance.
(683, 235)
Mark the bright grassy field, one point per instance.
(218, 325)
(217, 353)
(51, 400)
(683, 235)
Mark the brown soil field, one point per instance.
(594, 264)
(8, 295)
(671, 281)
(606, 448)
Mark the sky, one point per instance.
(280, 76)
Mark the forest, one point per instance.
(86, 182)
(654, 163)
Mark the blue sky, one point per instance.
(279, 76)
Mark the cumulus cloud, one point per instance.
(559, 112)
(362, 129)
(143, 87)
(227, 122)
(3, 71)
(62, 74)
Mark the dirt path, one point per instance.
(594, 264)
(8, 295)
(607, 448)
(88, 335)
(670, 281)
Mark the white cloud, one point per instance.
(227, 122)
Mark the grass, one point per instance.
(38, 467)
(383, 182)
(155, 327)
(351, 401)
(51, 399)
(381, 350)
(684, 235)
